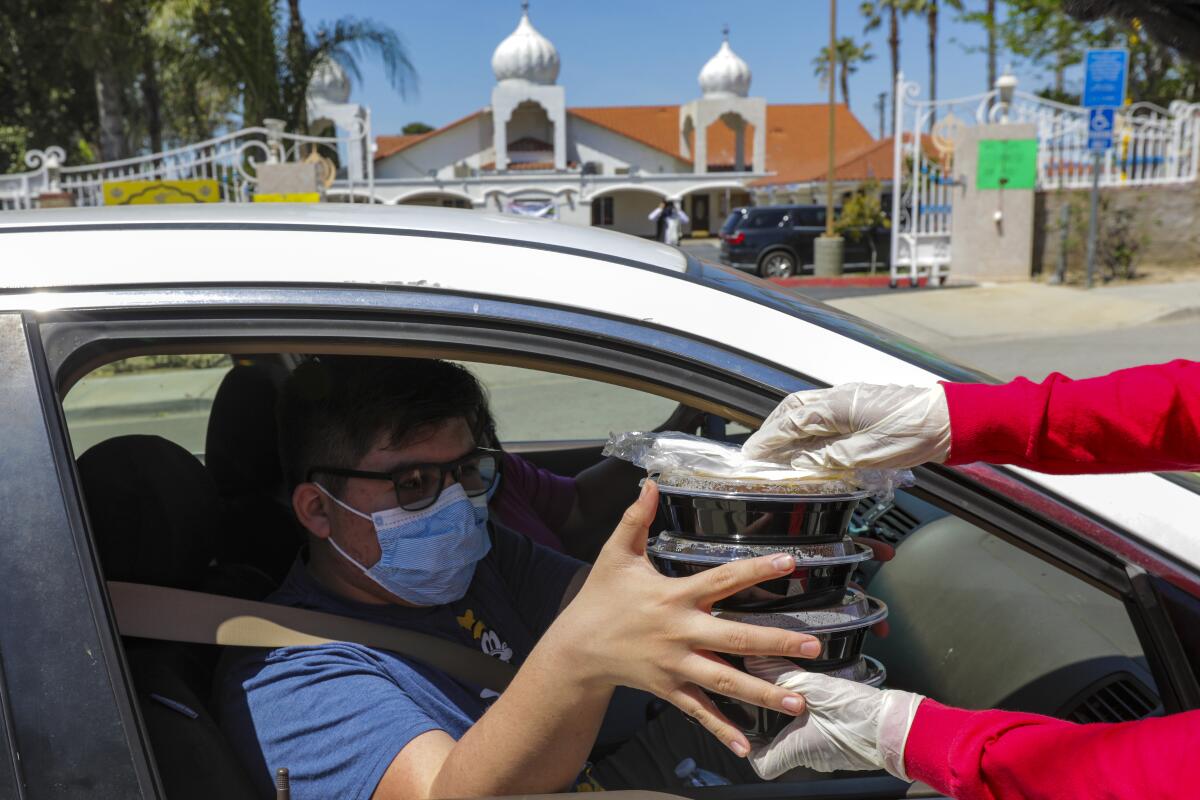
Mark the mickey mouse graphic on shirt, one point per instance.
(489, 642)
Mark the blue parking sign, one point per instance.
(1100, 128)
(1104, 74)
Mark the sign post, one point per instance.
(1105, 73)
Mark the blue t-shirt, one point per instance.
(336, 715)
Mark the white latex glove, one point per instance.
(845, 725)
(856, 426)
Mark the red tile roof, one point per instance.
(795, 136)
(873, 160)
(390, 145)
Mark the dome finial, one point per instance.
(725, 74)
(526, 55)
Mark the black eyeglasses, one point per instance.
(419, 486)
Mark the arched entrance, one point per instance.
(626, 209)
(439, 199)
(710, 204)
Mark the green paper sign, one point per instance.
(1007, 164)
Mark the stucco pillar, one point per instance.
(991, 230)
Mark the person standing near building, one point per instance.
(670, 219)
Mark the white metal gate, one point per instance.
(1152, 146)
(229, 160)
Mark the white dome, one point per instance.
(526, 56)
(725, 74)
(329, 83)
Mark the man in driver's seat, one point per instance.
(391, 485)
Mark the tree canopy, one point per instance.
(111, 78)
(1174, 23)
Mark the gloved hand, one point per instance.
(845, 725)
(856, 426)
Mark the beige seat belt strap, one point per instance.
(178, 615)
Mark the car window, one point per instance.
(808, 217)
(535, 406)
(166, 395)
(765, 218)
(731, 222)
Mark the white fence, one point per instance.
(1152, 146)
(231, 161)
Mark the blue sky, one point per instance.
(627, 52)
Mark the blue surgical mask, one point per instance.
(428, 557)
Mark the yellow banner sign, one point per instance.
(149, 193)
(288, 197)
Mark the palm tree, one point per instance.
(929, 10)
(874, 11)
(987, 19)
(848, 56)
(273, 57)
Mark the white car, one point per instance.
(1072, 596)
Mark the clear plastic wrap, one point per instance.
(693, 462)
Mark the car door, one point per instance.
(808, 222)
(70, 726)
(498, 331)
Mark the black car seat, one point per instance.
(154, 513)
(242, 455)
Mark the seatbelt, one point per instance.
(179, 615)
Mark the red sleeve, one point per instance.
(998, 755)
(1134, 420)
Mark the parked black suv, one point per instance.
(777, 241)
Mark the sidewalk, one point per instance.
(1014, 311)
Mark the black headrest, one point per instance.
(241, 449)
(153, 508)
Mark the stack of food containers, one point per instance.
(713, 521)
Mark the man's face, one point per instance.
(438, 443)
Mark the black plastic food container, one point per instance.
(765, 724)
(820, 578)
(841, 628)
(761, 518)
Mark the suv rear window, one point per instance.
(765, 218)
(731, 222)
(808, 217)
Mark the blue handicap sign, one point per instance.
(1104, 74)
(1100, 128)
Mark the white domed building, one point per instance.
(528, 152)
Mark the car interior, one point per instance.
(975, 621)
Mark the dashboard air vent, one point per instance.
(1117, 698)
(892, 526)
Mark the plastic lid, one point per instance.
(698, 551)
(855, 610)
(795, 487)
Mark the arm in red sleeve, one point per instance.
(1134, 420)
(998, 755)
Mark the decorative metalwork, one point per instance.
(230, 160)
(1153, 146)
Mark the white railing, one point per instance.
(230, 160)
(1152, 146)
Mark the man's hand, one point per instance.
(846, 725)
(856, 426)
(631, 626)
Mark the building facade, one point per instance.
(529, 152)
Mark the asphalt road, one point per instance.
(1082, 356)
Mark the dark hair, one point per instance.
(333, 408)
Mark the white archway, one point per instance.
(417, 196)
